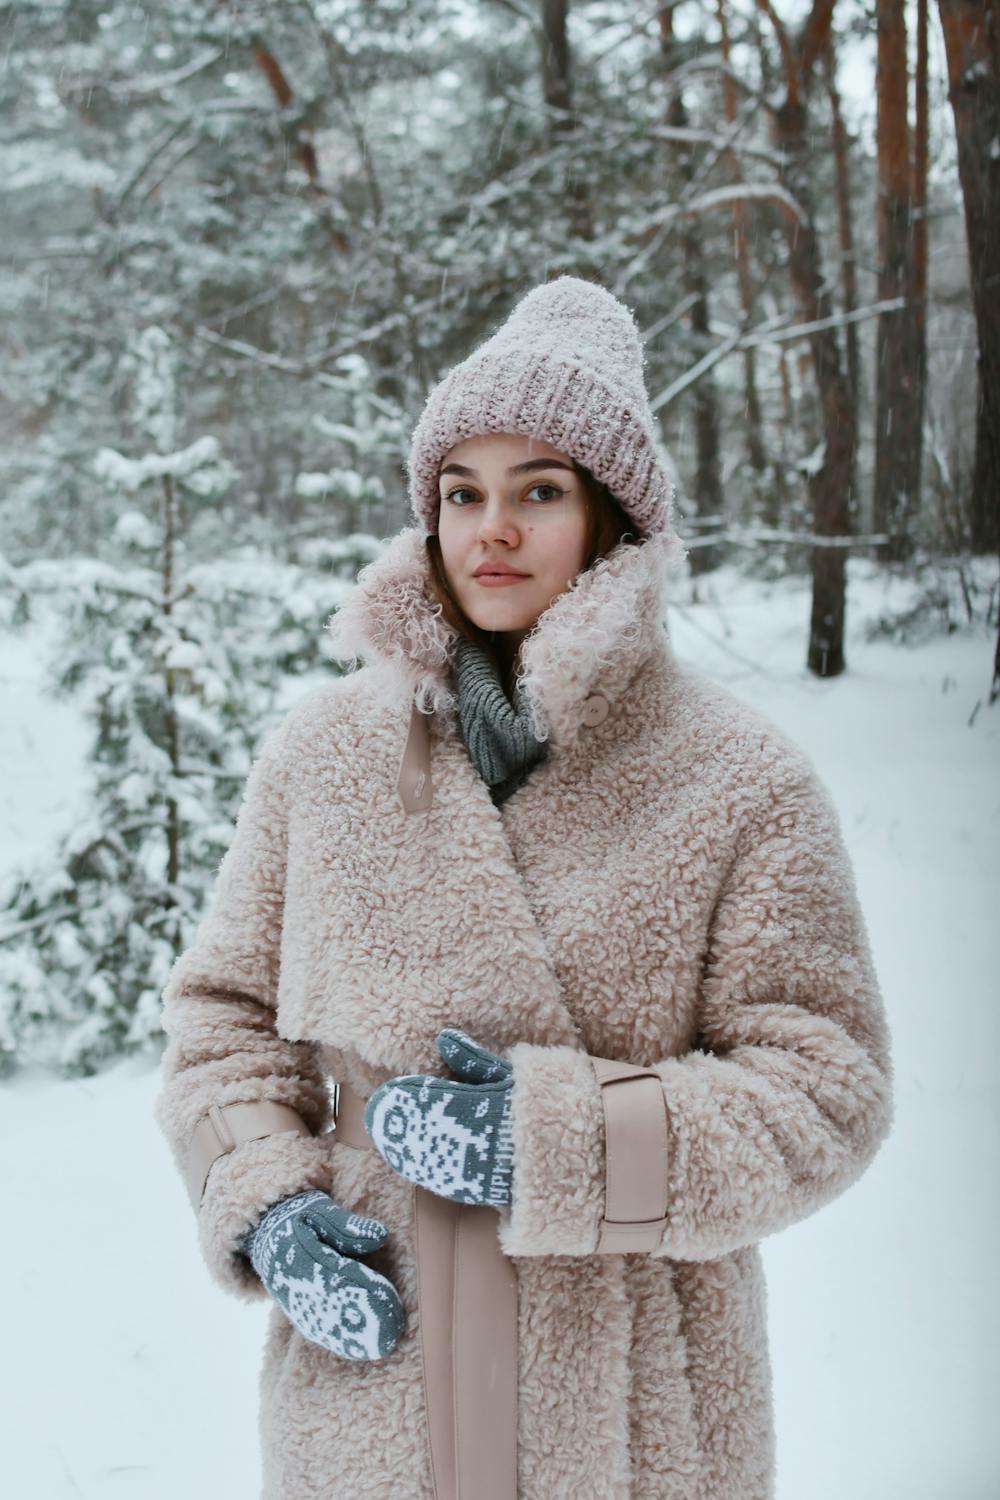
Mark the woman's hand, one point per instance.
(303, 1250)
(453, 1138)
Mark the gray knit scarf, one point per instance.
(496, 729)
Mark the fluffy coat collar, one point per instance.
(593, 637)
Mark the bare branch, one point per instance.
(746, 536)
(815, 29)
(769, 192)
(799, 54)
(170, 134)
(718, 142)
(692, 376)
(670, 318)
(655, 232)
(125, 90)
(835, 320)
(726, 146)
(155, 83)
(786, 47)
(765, 336)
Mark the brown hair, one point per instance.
(607, 525)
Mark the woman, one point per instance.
(576, 934)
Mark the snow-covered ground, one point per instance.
(127, 1372)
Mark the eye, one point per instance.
(543, 484)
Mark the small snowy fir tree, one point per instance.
(178, 670)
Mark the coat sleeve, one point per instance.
(790, 1095)
(223, 1047)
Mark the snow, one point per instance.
(33, 163)
(132, 473)
(42, 746)
(313, 486)
(133, 529)
(132, 1374)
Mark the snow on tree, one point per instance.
(179, 670)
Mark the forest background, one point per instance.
(241, 243)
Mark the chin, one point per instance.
(501, 627)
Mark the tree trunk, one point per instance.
(171, 726)
(557, 88)
(845, 225)
(830, 486)
(753, 426)
(918, 287)
(895, 408)
(707, 487)
(972, 45)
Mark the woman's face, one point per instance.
(518, 502)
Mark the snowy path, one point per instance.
(126, 1372)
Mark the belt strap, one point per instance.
(414, 787)
(227, 1126)
(636, 1144)
(467, 1297)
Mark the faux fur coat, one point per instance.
(669, 887)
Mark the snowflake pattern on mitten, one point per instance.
(303, 1250)
(453, 1138)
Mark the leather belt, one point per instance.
(466, 1285)
(467, 1313)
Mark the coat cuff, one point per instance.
(557, 1119)
(242, 1185)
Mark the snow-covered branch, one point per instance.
(734, 192)
(747, 536)
(835, 320)
(693, 375)
(153, 83)
(131, 473)
(768, 334)
(719, 143)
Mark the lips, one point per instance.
(488, 570)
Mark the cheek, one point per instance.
(565, 549)
(450, 550)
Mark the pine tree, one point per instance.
(178, 670)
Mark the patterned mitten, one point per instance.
(302, 1249)
(454, 1138)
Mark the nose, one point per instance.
(497, 522)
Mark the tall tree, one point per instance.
(178, 670)
(896, 406)
(845, 226)
(918, 285)
(752, 426)
(972, 46)
(557, 88)
(831, 481)
(706, 485)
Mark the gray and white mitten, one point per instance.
(303, 1250)
(454, 1138)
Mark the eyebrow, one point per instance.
(530, 465)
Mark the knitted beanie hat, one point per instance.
(566, 366)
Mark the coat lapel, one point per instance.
(428, 920)
(591, 639)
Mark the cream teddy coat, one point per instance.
(670, 887)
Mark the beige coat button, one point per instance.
(595, 710)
